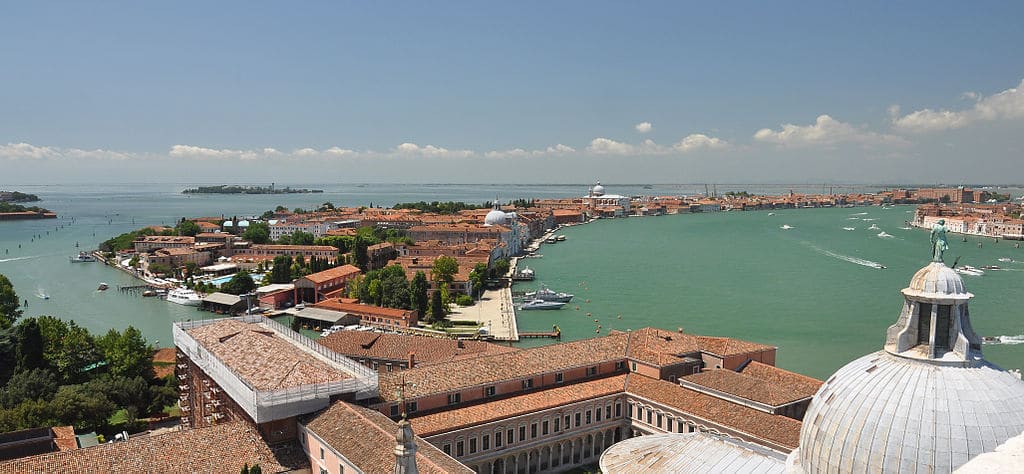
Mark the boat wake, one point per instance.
(1010, 340)
(884, 235)
(2, 260)
(847, 258)
(859, 214)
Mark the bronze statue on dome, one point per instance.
(939, 244)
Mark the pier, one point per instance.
(556, 334)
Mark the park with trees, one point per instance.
(55, 373)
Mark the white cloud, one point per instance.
(557, 150)
(643, 127)
(27, 151)
(607, 146)
(698, 141)
(336, 151)
(306, 152)
(824, 131)
(431, 151)
(1006, 105)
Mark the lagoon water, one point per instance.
(812, 290)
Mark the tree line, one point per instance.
(54, 372)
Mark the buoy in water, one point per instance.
(588, 314)
(577, 308)
(588, 300)
(620, 316)
(595, 320)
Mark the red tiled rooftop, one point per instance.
(343, 271)
(221, 448)
(428, 350)
(262, 357)
(364, 309)
(367, 438)
(532, 402)
(778, 429)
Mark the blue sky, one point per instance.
(882, 92)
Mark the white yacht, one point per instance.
(546, 294)
(184, 296)
(83, 257)
(540, 304)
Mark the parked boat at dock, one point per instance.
(82, 257)
(184, 296)
(546, 294)
(540, 304)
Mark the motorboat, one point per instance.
(560, 238)
(1005, 259)
(874, 227)
(42, 294)
(540, 304)
(786, 227)
(82, 257)
(103, 287)
(884, 235)
(849, 228)
(184, 296)
(969, 270)
(551, 240)
(991, 267)
(546, 294)
(526, 274)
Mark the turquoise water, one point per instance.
(730, 274)
(739, 274)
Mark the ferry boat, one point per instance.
(540, 304)
(184, 296)
(523, 275)
(546, 294)
(82, 257)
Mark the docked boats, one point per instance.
(82, 257)
(184, 296)
(546, 294)
(540, 304)
(551, 240)
(526, 274)
(560, 238)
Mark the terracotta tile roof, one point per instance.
(532, 402)
(343, 271)
(481, 370)
(758, 424)
(364, 309)
(367, 439)
(64, 437)
(806, 386)
(221, 448)
(428, 350)
(748, 387)
(725, 347)
(262, 357)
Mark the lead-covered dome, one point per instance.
(927, 402)
(598, 190)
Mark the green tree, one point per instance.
(186, 227)
(418, 293)
(255, 469)
(394, 287)
(77, 405)
(476, 278)
(445, 268)
(359, 249)
(9, 303)
(282, 271)
(327, 206)
(68, 348)
(500, 268)
(437, 313)
(464, 300)
(28, 414)
(35, 384)
(191, 268)
(239, 284)
(131, 393)
(373, 289)
(302, 238)
(29, 350)
(127, 353)
(257, 233)
(343, 243)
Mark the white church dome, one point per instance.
(495, 217)
(598, 190)
(927, 402)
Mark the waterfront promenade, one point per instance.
(494, 311)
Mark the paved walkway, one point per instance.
(494, 311)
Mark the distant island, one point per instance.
(10, 211)
(233, 189)
(15, 196)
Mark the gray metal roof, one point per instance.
(318, 314)
(690, 453)
(223, 298)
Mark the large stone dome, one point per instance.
(495, 217)
(886, 413)
(927, 402)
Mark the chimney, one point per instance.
(412, 360)
(462, 345)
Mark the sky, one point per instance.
(512, 92)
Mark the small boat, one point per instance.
(546, 294)
(42, 294)
(874, 227)
(526, 274)
(969, 270)
(1005, 259)
(560, 238)
(540, 304)
(884, 235)
(184, 296)
(82, 257)
(786, 227)
(849, 228)
(148, 293)
(991, 267)
(550, 240)
(102, 287)
(771, 213)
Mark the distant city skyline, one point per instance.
(654, 92)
